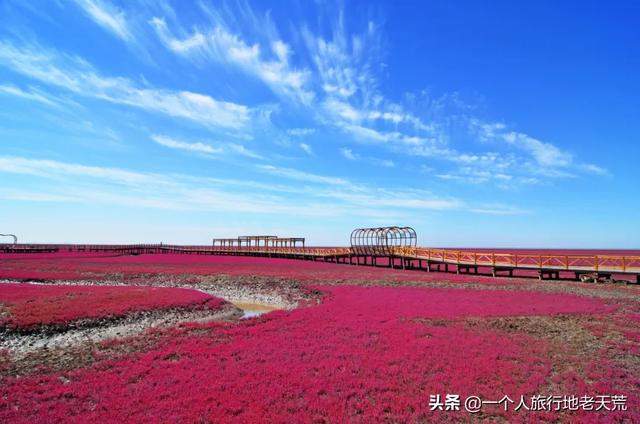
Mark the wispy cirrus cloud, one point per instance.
(543, 158)
(339, 82)
(196, 147)
(306, 148)
(545, 154)
(482, 176)
(346, 66)
(109, 185)
(271, 63)
(31, 94)
(594, 169)
(54, 169)
(301, 132)
(367, 197)
(204, 148)
(348, 153)
(294, 174)
(339, 77)
(351, 155)
(78, 76)
(243, 151)
(108, 16)
(497, 209)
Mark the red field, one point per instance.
(364, 353)
(27, 305)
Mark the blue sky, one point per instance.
(478, 123)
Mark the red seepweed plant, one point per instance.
(364, 354)
(30, 305)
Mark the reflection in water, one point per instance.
(251, 310)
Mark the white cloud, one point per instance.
(94, 184)
(337, 77)
(473, 176)
(140, 189)
(223, 46)
(348, 153)
(402, 199)
(483, 173)
(492, 159)
(182, 145)
(187, 46)
(342, 110)
(199, 147)
(32, 95)
(544, 159)
(369, 134)
(302, 176)
(346, 65)
(50, 168)
(343, 68)
(498, 209)
(21, 195)
(78, 76)
(545, 154)
(387, 163)
(300, 132)
(241, 150)
(488, 131)
(594, 169)
(306, 148)
(107, 16)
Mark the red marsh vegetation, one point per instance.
(354, 353)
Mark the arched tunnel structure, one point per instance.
(382, 241)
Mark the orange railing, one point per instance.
(615, 263)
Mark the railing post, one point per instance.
(566, 262)
(624, 264)
(596, 263)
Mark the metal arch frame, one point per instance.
(15, 239)
(378, 241)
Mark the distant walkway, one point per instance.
(544, 266)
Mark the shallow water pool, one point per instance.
(251, 310)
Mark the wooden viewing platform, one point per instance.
(545, 266)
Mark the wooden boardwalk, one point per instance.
(544, 266)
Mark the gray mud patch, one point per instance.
(75, 344)
(82, 345)
(275, 292)
(19, 343)
(270, 293)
